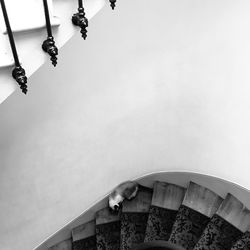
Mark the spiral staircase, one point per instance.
(182, 210)
(179, 215)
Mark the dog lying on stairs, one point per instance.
(126, 190)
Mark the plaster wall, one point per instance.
(157, 86)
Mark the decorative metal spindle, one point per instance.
(18, 72)
(49, 44)
(79, 19)
(112, 4)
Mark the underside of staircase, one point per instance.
(191, 217)
(27, 20)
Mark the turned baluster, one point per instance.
(79, 19)
(18, 72)
(49, 44)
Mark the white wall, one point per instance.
(158, 85)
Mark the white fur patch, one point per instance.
(115, 201)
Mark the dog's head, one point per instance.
(115, 202)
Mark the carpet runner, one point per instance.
(108, 228)
(166, 202)
(198, 206)
(226, 226)
(134, 218)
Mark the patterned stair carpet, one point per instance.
(134, 218)
(226, 226)
(166, 202)
(185, 218)
(198, 206)
(243, 243)
(108, 228)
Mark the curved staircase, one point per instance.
(194, 217)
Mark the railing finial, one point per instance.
(18, 73)
(112, 4)
(79, 19)
(49, 44)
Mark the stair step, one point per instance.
(234, 211)
(193, 218)
(197, 208)
(226, 226)
(108, 228)
(84, 237)
(202, 199)
(243, 243)
(166, 201)
(134, 218)
(141, 203)
(63, 245)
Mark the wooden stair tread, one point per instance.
(188, 227)
(133, 228)
(105, 216)
(63, 245)
(223, 234)
(202, 199)
(140, 204)
(233, 211)
(134, 218)
(108, 227)
(83, 231)
(160, 223)
(166, 195)
(166, 201)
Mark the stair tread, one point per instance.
(166, 201)
(133, 228)
(218, 234)
(108, 228)
(234, 211)
(160, 223)
(83, 231)
(134, 218)
(108, 235)
(105, 216)
(198, 206)
(167, 195)
(84, 236)
(63, 245)
(140, 204)
(188, 227)
(202, 199)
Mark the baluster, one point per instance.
(49, 44)
(18, 72)
(79, 19)
(112, 4)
